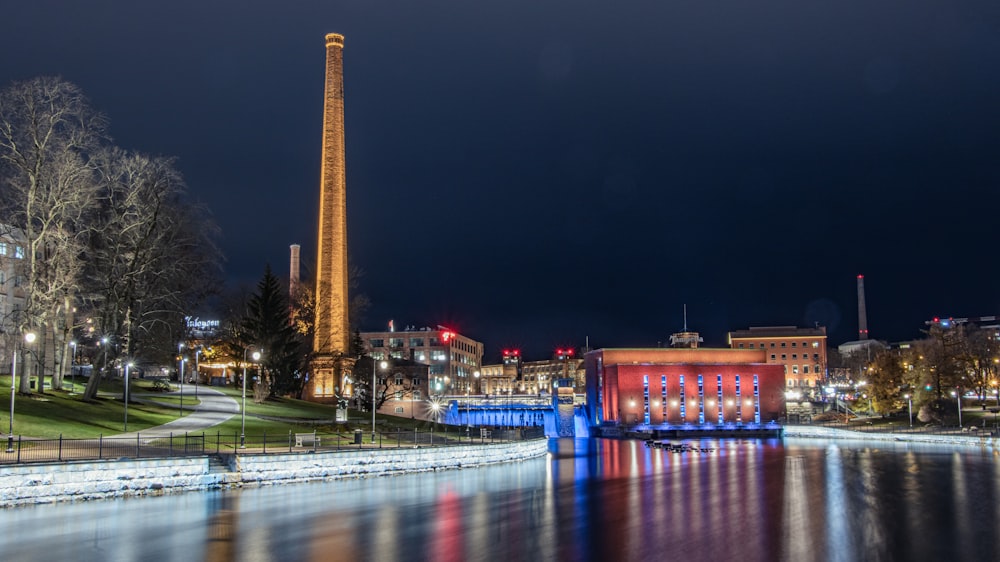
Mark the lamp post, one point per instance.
(197, 352)
(468, 407)
(125, 396)
(958, 400)
(243, 409)
(28, 338)
(382, 365)
(909, 407)
(72, 364)
(104, 342)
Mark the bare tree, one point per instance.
(152, 254)
(47, 132)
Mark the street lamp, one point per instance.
(125, 396)
(958, 400)
(468, 407)
(72, 364)
(909, 407)
(381, 365)
(28, 338)
(243, 409)
(197, 352)
(104, 369)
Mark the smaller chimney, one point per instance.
(293, 270)
(862, 313)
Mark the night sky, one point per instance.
(533, 173)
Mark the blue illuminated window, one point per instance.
(701, 399)
(645, 399)
(756, 400)
(663, 395)
(718, 382)
(739, 401)
(683, 412)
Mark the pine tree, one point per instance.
(267, 324)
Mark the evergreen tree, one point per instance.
(267, 324)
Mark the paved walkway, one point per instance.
(214, 408)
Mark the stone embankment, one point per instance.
(74, 481)
(819, 432)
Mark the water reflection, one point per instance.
(590, 500)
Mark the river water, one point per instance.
(591, 499)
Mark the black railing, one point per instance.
(31, 450)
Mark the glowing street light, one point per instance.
(28, 338)
(958, 400)
(468, 406)
(72, 363)
(243, 409)
(125, 396)
(909, 407)
(382, 366)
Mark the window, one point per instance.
(772, 344)
(784, 357)
(741, 346)
(773, 357)
(817, 371)
(805, 369)
(399, 380)
(751, 346)
(439, 356)
(398, 409)
(793, 344)
(416, 395)
(815, 344)
(3, 248)
(395, 342)
(398, 395)
(795, 369)
(3, 277)
(816, 356)
(416, 342)
(795, 356)
(378, 342)
(782, 344)
(416, 381)
(18, 252)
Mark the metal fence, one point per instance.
(30, 450)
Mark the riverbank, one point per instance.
(818, 432)
(76, 481)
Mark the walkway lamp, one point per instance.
(197, 352)
(28, 338)
(243, 409)
(72, 363)
(125, 396)
(958, 400)
(909, 407)
(382, 366)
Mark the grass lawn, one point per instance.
(65, 413)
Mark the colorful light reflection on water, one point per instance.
(590, 500)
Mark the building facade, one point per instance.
(454, 360)
(516, 376)
(12, 254)
(801, 351)
(683, 387)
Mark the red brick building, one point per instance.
(683, 386)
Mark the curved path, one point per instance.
(213, 409)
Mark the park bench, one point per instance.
(306, 440)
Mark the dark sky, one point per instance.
(532, 172)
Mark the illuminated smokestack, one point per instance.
(862, 313)
(293, 270)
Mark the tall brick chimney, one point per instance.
(332, 334)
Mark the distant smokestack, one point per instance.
(293, 270)
(862, 313)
